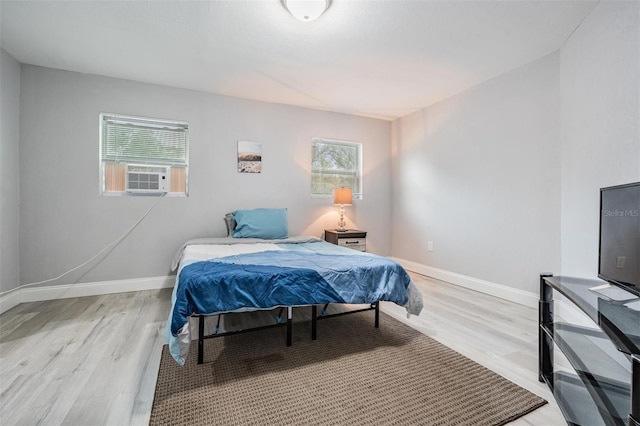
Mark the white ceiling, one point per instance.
(381, 59)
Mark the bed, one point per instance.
(218, 276)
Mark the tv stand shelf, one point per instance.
(602, 348)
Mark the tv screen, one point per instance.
(620, 236)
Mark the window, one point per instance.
(143, 155)
(335, 164)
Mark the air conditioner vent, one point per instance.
(142, 178)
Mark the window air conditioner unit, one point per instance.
(142, 178)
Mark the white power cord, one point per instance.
(115, 242)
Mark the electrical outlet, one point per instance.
(429, 245)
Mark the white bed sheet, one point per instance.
(201, 252)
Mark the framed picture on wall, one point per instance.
(249, 157)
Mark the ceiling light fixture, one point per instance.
(306, 10)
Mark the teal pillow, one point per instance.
(261, 223)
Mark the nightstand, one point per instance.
(351, 238)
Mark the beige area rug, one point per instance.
(354, 374)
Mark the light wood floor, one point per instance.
(94, 360)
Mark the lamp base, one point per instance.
(341, 222)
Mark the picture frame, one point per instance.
(249, 157)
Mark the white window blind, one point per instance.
(137, 140)
(335, 164)
(144, 140)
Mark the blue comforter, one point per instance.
(285, 278)
(303, 274)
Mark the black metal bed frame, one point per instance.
(314, 324)
(314, 316)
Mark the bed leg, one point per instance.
(201, 339)
(378, 314)
(289, 321)
(314, 322)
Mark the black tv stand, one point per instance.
(603, 348)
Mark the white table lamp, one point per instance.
(342, 197)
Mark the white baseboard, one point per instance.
(9, 300)
(36, 294)
(64, 291)
(498, 290)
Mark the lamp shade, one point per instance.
(306, 10)
(343, 196)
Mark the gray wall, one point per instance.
(479, 175)
(600, 78)
(505, 177)
(64, 220)
(9, 172)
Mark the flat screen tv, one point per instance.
(619, 254)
